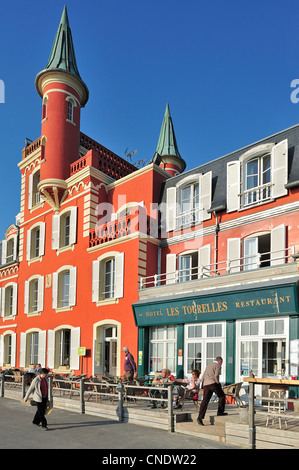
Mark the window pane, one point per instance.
(269, 327)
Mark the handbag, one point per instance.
(49, 408)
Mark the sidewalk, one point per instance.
(68, 430)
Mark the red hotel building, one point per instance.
(178, 266)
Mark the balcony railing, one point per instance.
(246, 263)
(119, 228)
(256, 195)
(103, 159)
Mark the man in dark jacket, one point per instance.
(130, 369)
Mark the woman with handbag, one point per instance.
(39, 388)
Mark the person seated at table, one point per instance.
(190, 383)
(164, 377)
(38, 368)
(32, 369)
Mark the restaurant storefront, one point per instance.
(254, 330)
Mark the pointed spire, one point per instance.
(62, 57)
(167, 144)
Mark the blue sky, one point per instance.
(224, 67)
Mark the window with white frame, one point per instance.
(188, 213)
(263, 346)
(188, 202)
(64, 228)
(108, 277)
(9, 250)
(257, 180)
(8, 349)
(188, 267)
(34, 295)
(259, 250)
(203, 343)
(63, 347)
(163, 348)
(8, 295)
(33, 347)
(258, 176)
(64, 287)
(34, 195)
(36, 241)
(71, 104)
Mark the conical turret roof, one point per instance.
(62, 57)
(167, 144)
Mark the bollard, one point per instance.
(170, 409)
(119, 389)
(82, 402)
(23, 385)
(50, 394)
(2, 385)
(251, 429)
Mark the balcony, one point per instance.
(102, 159)
(119, 228)
(246, 270)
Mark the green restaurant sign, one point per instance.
(247, 303)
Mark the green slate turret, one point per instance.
(167, 154)
(62, 58)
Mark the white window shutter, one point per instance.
(15, 247)
(15, 299)
(55, 290)
(73, 286)
(278, 245)
(42, 347)
(205, 191)
(42, 232)
(73, 225)
(4, 251)
(95, 280)
(170, 209)
(30, 191)
(233, 255)
(171, 268)
(40, 299)
(280, 168)
(119, 276)
(204, 260)
(233, 186)
(23, 337)
(55, 231)
(3, 294)
(51, 349)
(75, 344)
(13, 349)
(1, 350)
(1, 291)
(26, 297)
(28, 245)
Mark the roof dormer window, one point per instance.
(260, 175)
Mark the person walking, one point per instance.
(39, 389)
(130, 369)
(211, 384)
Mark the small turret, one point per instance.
(167, 155)
(63, 93)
